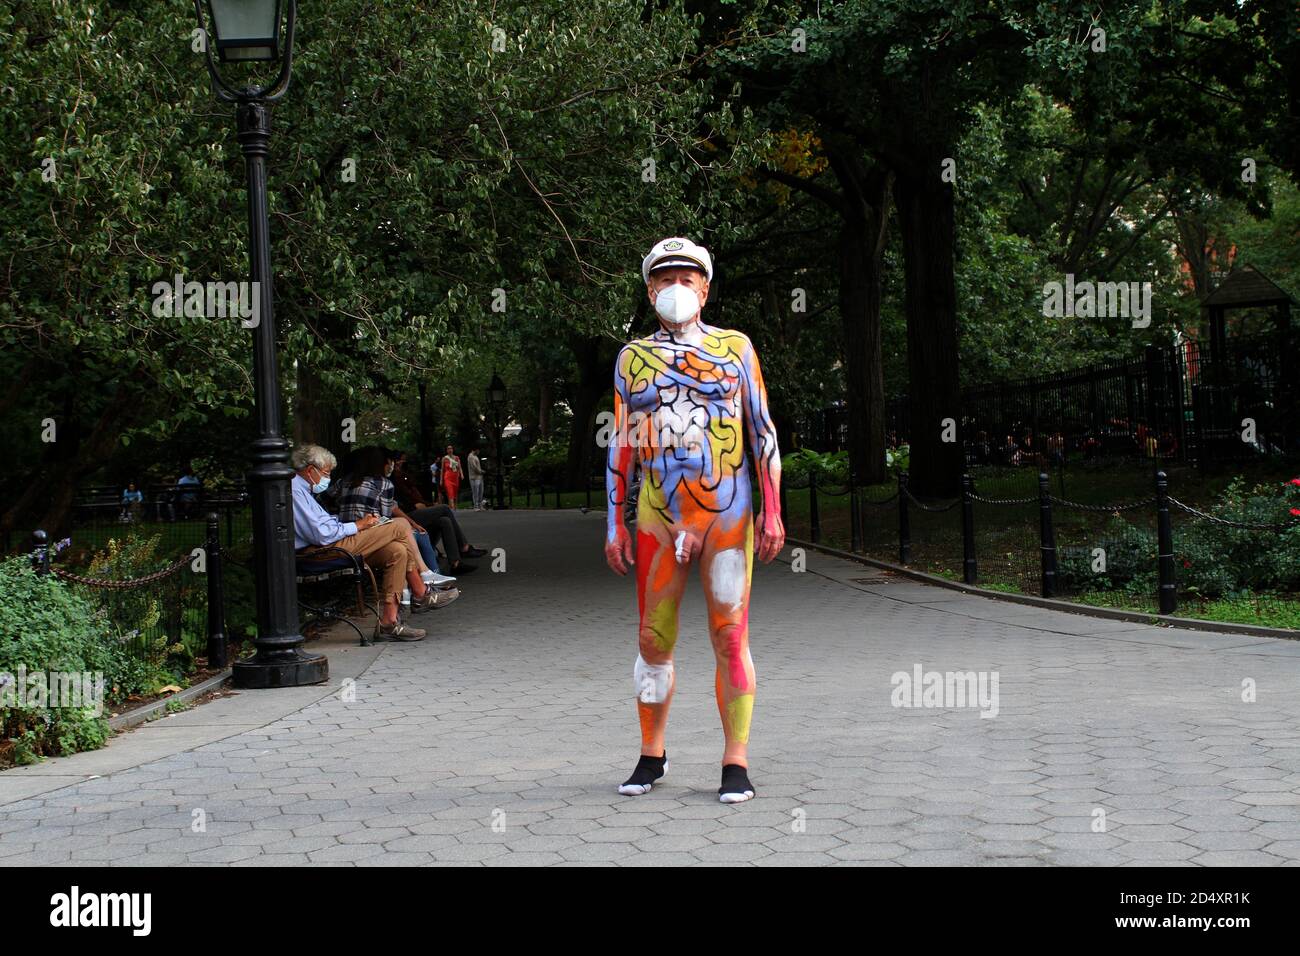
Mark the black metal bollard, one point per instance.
(904, 522)
(589, 477)
(1047, 536)
(41, 551)
(814, 513)
(970, 573)
(217, 645)
(557, 495)
(230, 526)
(1168, 597)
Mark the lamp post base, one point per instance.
(295, 669)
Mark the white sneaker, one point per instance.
(436, 579)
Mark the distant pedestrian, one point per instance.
(451, 474)
(475, 478)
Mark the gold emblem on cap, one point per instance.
(672, 246)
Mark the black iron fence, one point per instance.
(100, 514)
(1182, 403)
(174, 614)
(1039, 541)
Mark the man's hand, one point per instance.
(618, 553)
(368, 522)
(771, 537)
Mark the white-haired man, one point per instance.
(386, 547)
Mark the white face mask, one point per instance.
(677, 304)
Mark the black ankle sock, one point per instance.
(735, 779)
(648, 770)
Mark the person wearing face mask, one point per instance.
(385, 547)
(684, 399)
(367, 488)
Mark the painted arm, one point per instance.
(618, 472)
(767, 457)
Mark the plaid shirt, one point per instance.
(373, 495)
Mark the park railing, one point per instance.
(1177, 403)
(1034, 540)
(97, 517)
(174, 614)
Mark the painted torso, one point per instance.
(686, 423)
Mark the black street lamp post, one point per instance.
(250, 30)
(496, 399)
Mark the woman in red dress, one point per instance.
(451, 475)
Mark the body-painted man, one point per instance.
(683, 400)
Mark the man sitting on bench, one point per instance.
(386, 547)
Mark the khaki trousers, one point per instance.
(388, 549)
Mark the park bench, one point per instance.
(331, 582)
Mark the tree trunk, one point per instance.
(595, 363)
(425, 440)
(862, 244)
(73, 457)
(316, 418)
(926, 220)
(545, 399)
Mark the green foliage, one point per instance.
(897, 459)
(543, 466)
(240, 592)
(1130, 556)
(1211, 560)
(47, 626)
(831, 468)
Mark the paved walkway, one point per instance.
(502, 739)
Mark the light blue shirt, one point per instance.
(312, 524)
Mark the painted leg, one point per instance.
(660, 584)
(726, 565)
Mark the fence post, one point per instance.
(1048, 537)
(785, 508)
(814, 515)
(216, 596)
(557, 494)
(230, 526)
(41, 543)
(970, 572)
(904, 522)
(1165, 536)
(528, 496)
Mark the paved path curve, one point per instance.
(501, 739)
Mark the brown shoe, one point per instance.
(433, 599)
(398, 632)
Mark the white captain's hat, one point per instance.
(677, 251)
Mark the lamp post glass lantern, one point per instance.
(496, 398)
(246, 29)
(249, 30)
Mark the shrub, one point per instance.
(831, 468)
(46, 626)
(543, 466)
(1130, 555)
